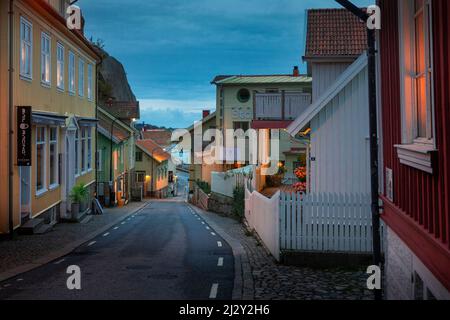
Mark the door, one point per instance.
(25, 193)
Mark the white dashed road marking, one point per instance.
(203, 222)
(60, 261)
(19, 280)
(116, 228)
(214, 289)
(92, 243)
(212, 233)
(7, 285)
(106, 234)
(207, 228)
(123, 222)
(219, 243)
(220, 262)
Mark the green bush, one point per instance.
(239, 202)
(79, 193)
(206, 188)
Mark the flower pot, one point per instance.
(75, 210)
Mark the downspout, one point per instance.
(373, 128)
(96, 129)
(111, 161)
(11, 116)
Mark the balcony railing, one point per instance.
(280, 106)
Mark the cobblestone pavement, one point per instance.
(273, 281)
(27, 249)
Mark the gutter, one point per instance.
(11, 116)
(373, 128)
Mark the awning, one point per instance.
(86, 122)
(48, 119)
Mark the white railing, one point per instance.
(269, 106)
(262, 216)
(326, 222)
(224, 183)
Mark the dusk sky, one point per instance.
(172, 49)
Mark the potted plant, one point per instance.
(78, 196)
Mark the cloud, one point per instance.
(173, 113)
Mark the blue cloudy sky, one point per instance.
(171, 49)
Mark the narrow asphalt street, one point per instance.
(164, 251)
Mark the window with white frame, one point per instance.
(77, 155)
(83, 149)
(54, 161)
(90, 87)
(41, 142)
(26, 48)
(80, 77)
(71, 72)
(60, 66)
(417, 70)
(89, 148)
(416, 83)
(45, 58)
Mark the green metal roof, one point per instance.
(265, 79)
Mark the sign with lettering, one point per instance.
(24, 126)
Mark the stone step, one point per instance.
(31, 226)
(44, 228)
(86, 219)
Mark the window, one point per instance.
(80, 77)
(83, 149)
(40, 159)
(89, 148)
(77, 156)
(140, 177)
(54, 163)
(100, 160)
(45, 59)
(243, 95)
(139, 156)
(71, 72)
(90, 83)
(416, 84)
(26, 48)
(60, 66)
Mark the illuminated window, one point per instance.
(77, 156)
(26, 48)
(89, 148)
(45, 58)
(60, 66)
(416, 71)
(83, 149)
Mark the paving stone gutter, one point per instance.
(122, 213)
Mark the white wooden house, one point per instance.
(338, 116)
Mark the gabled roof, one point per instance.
(152, 149)
(345, 78)
(124, 110)
(261, 79)
(160, 136)
(334, 33)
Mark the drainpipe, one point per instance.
(111, 161)
(11, 117)
(374, 178)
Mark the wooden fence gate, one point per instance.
(326, 222)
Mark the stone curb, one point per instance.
(66, 250)
(243, 288)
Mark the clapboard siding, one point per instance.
(339, 142)
(324, 76)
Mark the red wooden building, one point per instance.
(414, 73)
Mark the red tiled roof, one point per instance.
(160, 136)
(334, 33)
(153, 149)
(119, 133)
(123, 109)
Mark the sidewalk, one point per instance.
(272, 281)
(27, 252)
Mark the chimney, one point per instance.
(206, 113)
(296, 72)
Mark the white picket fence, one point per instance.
(224, 183)
(326, 222)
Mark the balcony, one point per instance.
(278, 110)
